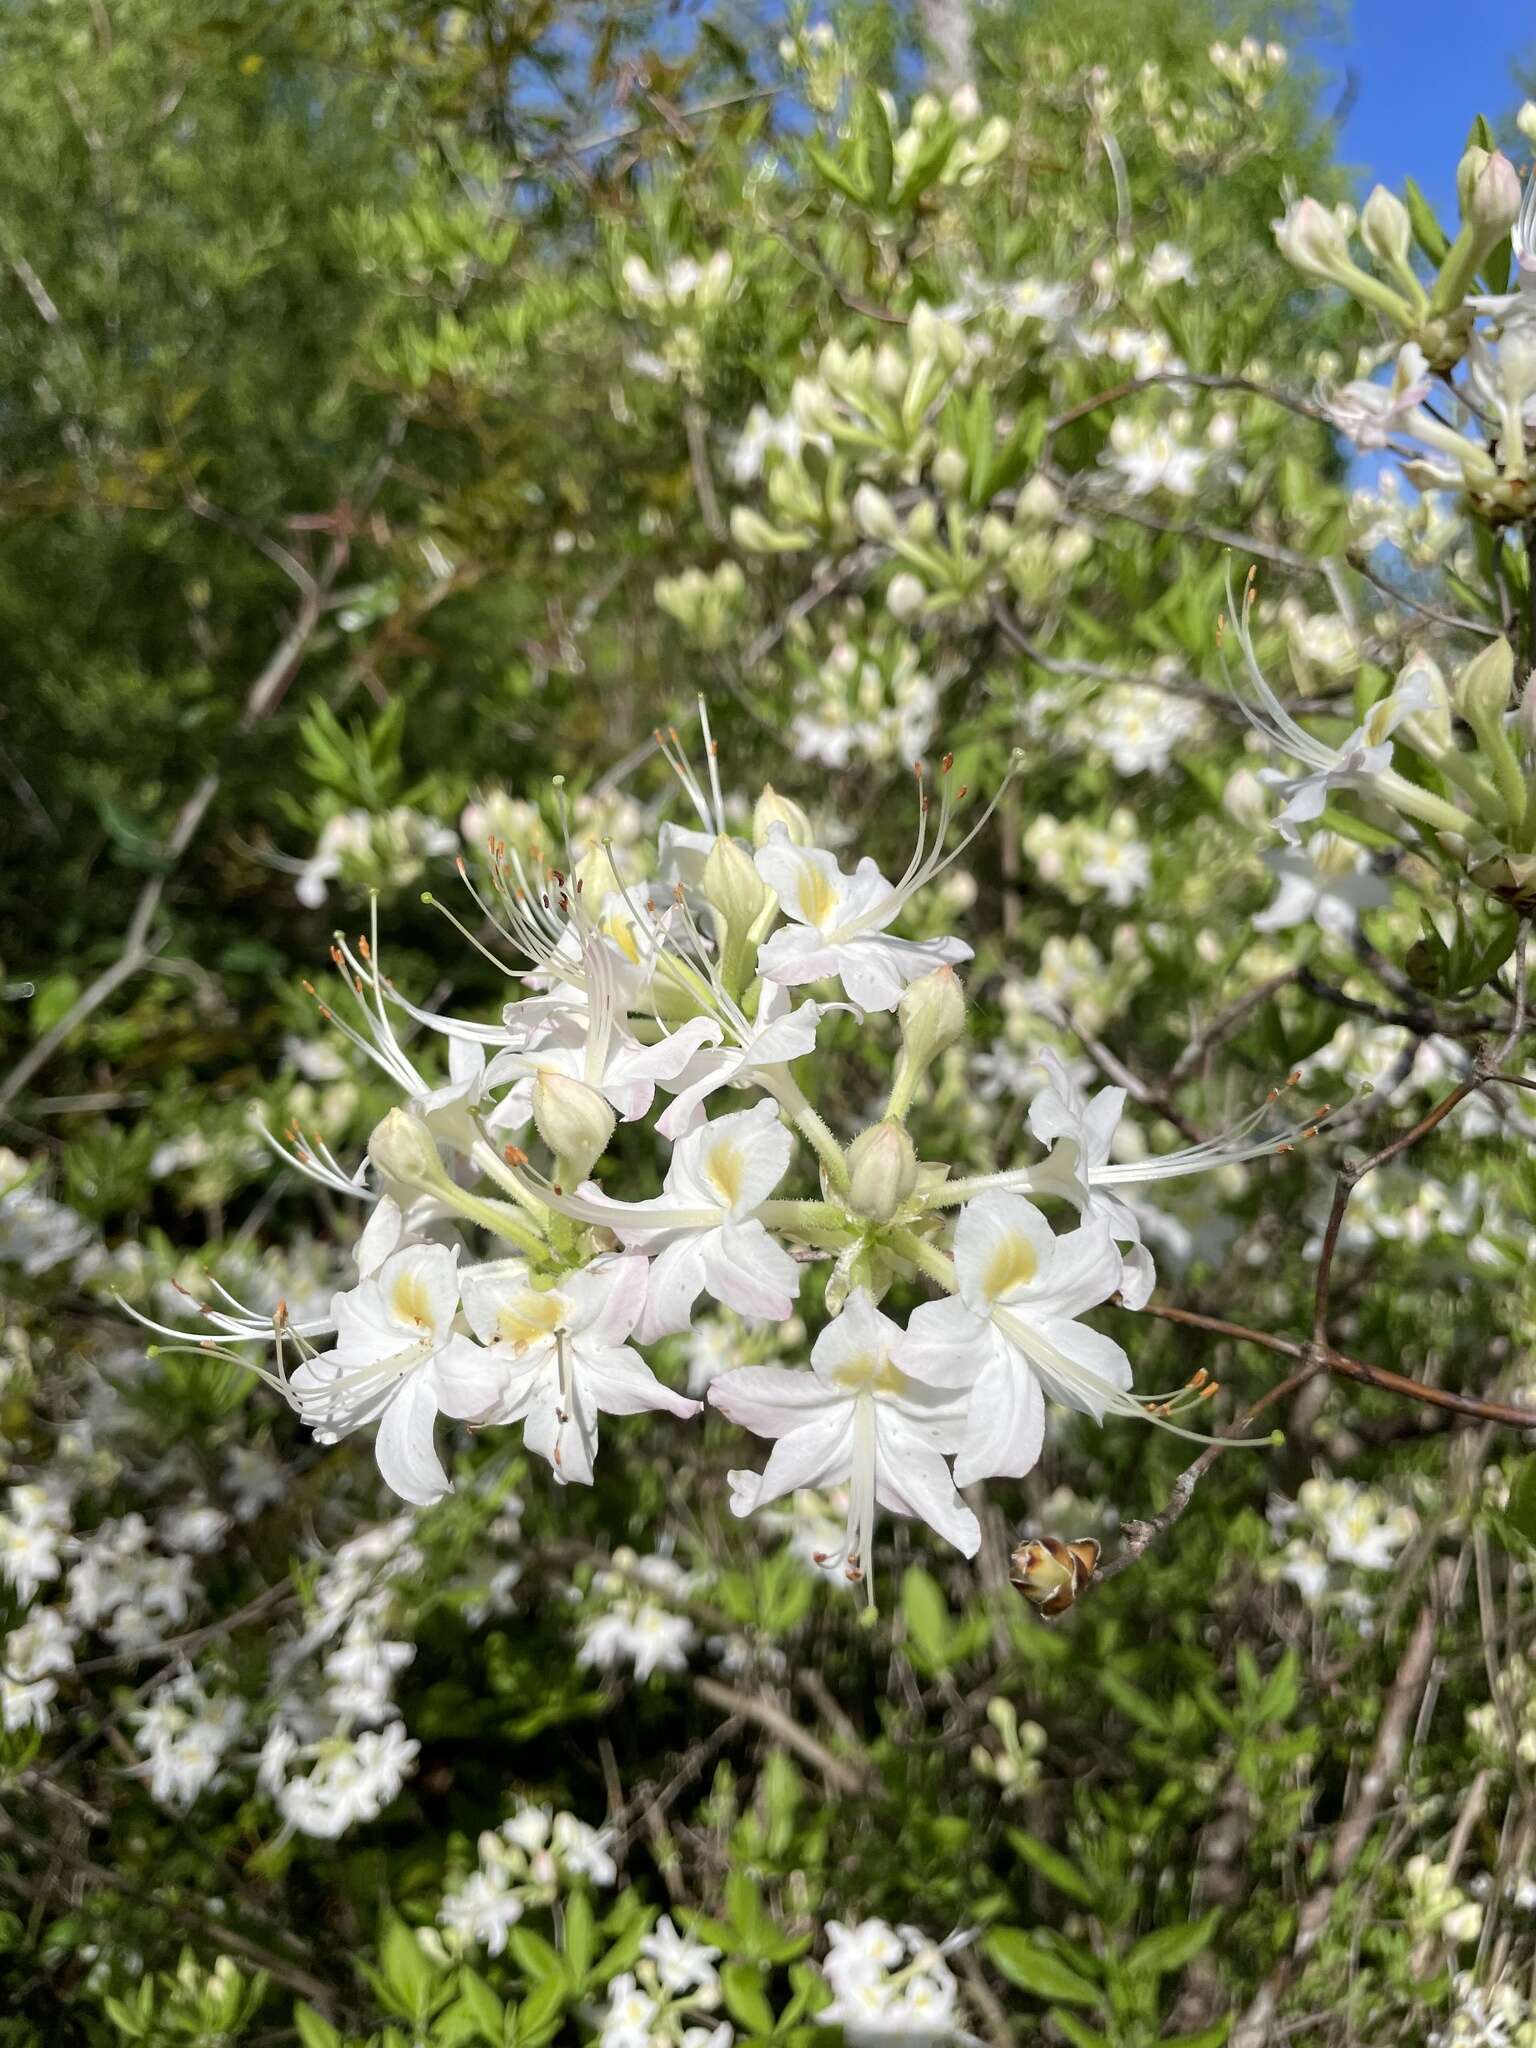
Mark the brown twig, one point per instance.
(841, 1777)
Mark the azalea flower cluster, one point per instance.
(643, 1002)
(534, 1858)
(1334, 1530)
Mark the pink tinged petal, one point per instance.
(772, 1400)
(403, 1447)
(912, 1479)
(471, 1380)
(1006, 1424)
(621, 1383)
(945, 1344)
(986, 1237)
(819, 1454)
(676, 1282)
(744, 1268)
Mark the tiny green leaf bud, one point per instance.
(772, 809)
(573, 1120)
(882, 1170)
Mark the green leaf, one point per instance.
(741, 1985)
(1023, 1962)
(875, 128)
(533, 1954)
(927, 1618)
(1053, 1867)
(481, 2006)
(580, 1936)
(1520, 1509)
(1208, 2037)
(314, 2031)
(1077, 2031)
(1427, 231)
(834, 174)
(1170, 1948)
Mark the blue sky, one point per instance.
(1425, 67)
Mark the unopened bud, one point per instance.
(905, 596)
(404, 1151)
(932, 1016)
(882, 1171)
(573, 1120)
(1245, 801)
(1311, 236)
(1483, 688)
(773, 809)
(1489, 190)
(951, 471)
(732, 885)
(874, 514)
(1050, 1574)
(1429, 731)
(750, 530)
(1386, 229)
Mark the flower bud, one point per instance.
(882, 1171)
(1050, 1574)
(951, 471)
(905, 596)
(1386, 229)
(1483, 688)
(750, 530)
(1525, 120)
(874, 514)
(1244, 800)
(1489, 189)
(404, 1150)
(573, 1120)
(772, 809)
(932, 1014)
(732, 885)
(1310, 236)
(1429, 731)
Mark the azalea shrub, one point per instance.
(765, 1188)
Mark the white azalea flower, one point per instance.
(396, 1338)
(555, 1358)
(702, 1229)
(838, 925)
(1327, 882)
(772, 1039)
(858, 1417)
(1082, 1130)
(1011, 1335)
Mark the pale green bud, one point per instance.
(573, 1120)
(750, 530)
(773, 809)
(923, 520)
(404, 1150)
(732, 885)
(1489, 189)
(905, 597)
(1430, 731)
(1386, 229)
(932, 1017)
(1484, 686)
(1313, 238)
(951, 471)
(882, 1171)
(874, 513)
(890, 371)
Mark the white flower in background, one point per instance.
(197, 1528)
(639, 1633)
(890, 1986)
(837, 927)
(856, 1417)
(185, 1736)
(555, 1358)
(1327, 882)
(1117, 862)
(681, 1963)
(37, 1233)
(1370, 413)
(1011, 1335)
(1149, 457)
(702, 1231)
(350, 1781)
(33, 1657)
(1485, 2016)
(1168, 264)
(483, 1910)
(396, 1341)
(32, 1532)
